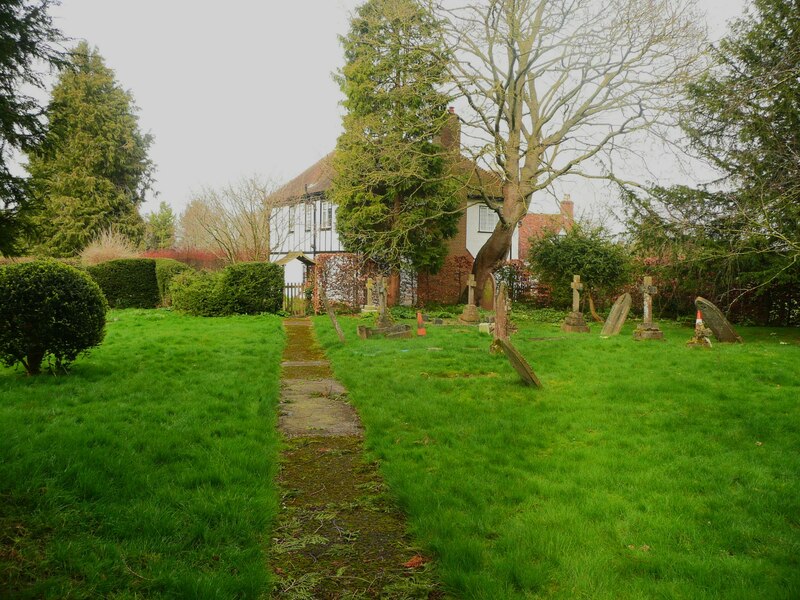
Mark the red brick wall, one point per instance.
(446, 286)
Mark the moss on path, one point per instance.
(338, 534)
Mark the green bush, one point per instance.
(198, 293)
(48, 309)
(243, 288)
(128, 282)
(166, 270)
(253, 287)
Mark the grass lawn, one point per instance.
(148, 470)
(640, 470)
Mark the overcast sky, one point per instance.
(236, 88)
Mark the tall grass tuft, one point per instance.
(109, 244)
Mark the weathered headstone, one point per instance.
(370, 306)
(617, 316)
(575, 323)
(648, 330)
(470, 313)
(393, 331)
(519, 363)
(716, 321)
(384, 318)
(501, 312)
(334, 320)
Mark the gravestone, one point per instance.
(617, 316)
(334, 320)
(392, 331)
(384, 318)
(716, 321)
(648, 330)
(501, 312)
(574, 323)
(470, 313)
(520, 365)
(370, 306)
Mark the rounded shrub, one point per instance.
(128, 282)
(166, 270)
(48, 309)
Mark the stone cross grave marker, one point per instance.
(384, 319)
(471, 289)
(370, 307)
(470, 313)
(574, 323)
(370, 285)
(576, 286)
(648, 330)
(617, 316)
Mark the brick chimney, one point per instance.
(568, 209)
(450, 137)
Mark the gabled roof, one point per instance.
(319, 178)
(295, 255)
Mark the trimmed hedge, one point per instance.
(128, 282)
(166, 270)
(243, 288)
(48, 309)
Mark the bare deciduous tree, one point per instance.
(559, 87)
(233, 221)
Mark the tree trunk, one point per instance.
(494, 252)
(393, 293)
(595, 316)
(33, 362)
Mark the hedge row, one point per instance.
(137, 282)
(243, 288)
(128, 282)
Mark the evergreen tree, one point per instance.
(27, 38)
(742, 232)
(397, 201)
(160, 228)
(92, 170)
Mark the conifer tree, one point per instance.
(397, 201)
(28, 40)
(92, 170)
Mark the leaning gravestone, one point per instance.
(616, 318)
(519, 363)
(716, 322)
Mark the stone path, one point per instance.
(338, 534)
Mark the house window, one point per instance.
(487, 219)
(309, 216)
(326, 215)
(291, 219)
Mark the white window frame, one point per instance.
(325, 215)
(486, 214)
(292, 216)
(308, 211)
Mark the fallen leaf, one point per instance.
(759, 443)
(416, 562)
